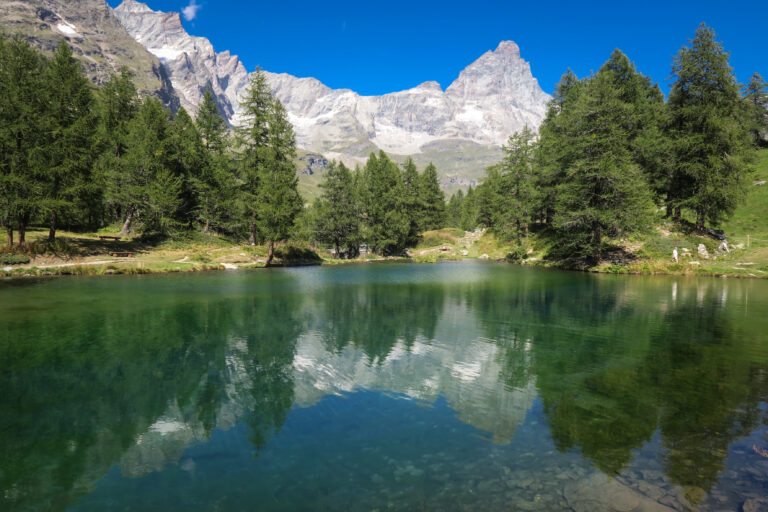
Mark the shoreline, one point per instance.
(116, 267)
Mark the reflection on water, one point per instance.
(456, 386)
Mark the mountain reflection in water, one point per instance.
(447, 386)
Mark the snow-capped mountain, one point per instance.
(491, 99)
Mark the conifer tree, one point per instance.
(23, 131)
(214, 186)
(71, 125)
(710, 129)
(756, 93)
(453, 209)
(555, 154)
(186, 159)
(412, 202)
(253, 141)
(337, 211)
(118, 104)
(388, 225)
(432, 200)
(604, 193)
(512, 205)
(277, 198)
(469, 211)
(147, 188)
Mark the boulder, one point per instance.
(599, 492)
(702, 250)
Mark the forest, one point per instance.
(611, 152)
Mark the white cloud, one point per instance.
(190, 11)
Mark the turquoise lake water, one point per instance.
(456, 386)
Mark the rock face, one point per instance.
(191, 62)
(96, 36)
(490, 100)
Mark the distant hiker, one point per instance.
(674, 254)
(724, 246)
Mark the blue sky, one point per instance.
(375, 47)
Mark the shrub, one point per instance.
(517, 253)
(14, 259)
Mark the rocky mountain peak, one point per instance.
(192, 62)
(490, 100)
(430, 85)
(508, 48)
(133, 6)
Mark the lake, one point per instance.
(456, 386)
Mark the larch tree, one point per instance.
(603, 193)
(432, 200)
(277, 197)
(386, 220)
(756, 93)
(512, 205)
(337, 219)
(710, 131)
(23, 117)
(253, 141)
(71, 126)
(214, 185)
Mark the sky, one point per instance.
(376, 47)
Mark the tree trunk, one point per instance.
(252, 238)
(207, 228)
(270, 253)
(22, 231)
(700, 219)
(676, 218)
(127, 224)
(52, 230)
(338, 254)
(9, 230)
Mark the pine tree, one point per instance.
(23, 116)
(215, 185)
(646, 120)
(432, 200)
(710, 131)
(147, 188)
(469, 212)
(186, 159)
(555, 155)
(387, 223)
(337, 211)
(453, 210)
(603, 193)
(513, 202)
(253, 141)
(413, 207)
(756, 93)
(70, 146)
(277, 198)
(118, 104)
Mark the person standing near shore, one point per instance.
(674, 254)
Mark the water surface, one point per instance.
(461, 386)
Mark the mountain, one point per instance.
(191, 62)
(461, 128)
(96, 36)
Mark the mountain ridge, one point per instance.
(492, 98)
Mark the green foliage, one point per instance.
(756, 94)
(13, 259)
(710, 132)
(510, 188)
(431, 199)
(384, 199)
(268, 196)
(337, 212)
